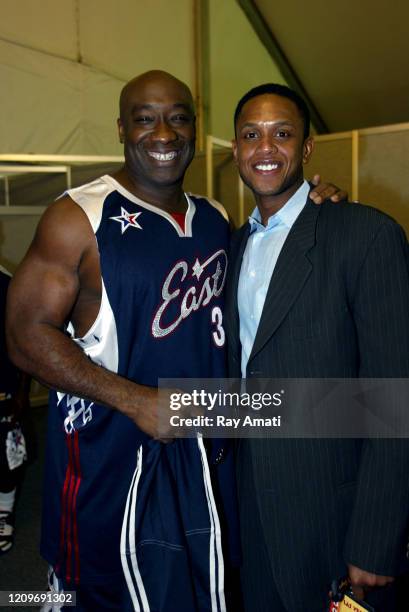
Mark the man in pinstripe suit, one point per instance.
(314, 292)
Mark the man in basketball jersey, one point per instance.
(122, 285)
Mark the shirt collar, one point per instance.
(286, 215)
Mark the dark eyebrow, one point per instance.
(254, 124)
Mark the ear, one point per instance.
(234, 149)
(308, 148)
(120, 130)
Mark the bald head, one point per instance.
(149, 85)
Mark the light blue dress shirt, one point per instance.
(260, 257)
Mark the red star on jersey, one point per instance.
(127, 219)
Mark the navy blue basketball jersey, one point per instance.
(116, 501)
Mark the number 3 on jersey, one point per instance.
(219, 336)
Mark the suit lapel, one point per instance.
(291, 271)
(232, 323)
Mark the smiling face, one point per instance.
(270, 150)
(157, 127)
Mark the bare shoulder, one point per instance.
(63, 233)
(60, 270)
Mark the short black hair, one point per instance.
(277, 90)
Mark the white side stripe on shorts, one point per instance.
(130, 563)
(217, 595)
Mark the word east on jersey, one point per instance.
(199, 294)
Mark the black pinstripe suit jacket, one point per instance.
(337, 306)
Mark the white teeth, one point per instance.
(163, 156)
(266, 167)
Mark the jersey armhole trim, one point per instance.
(219, 207)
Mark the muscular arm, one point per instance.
(58, 280)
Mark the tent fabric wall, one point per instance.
(332, 159)
(238, 62)
(384, 171)
(62, 66)
(43, 25)
(124, 38)
(49, 105)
